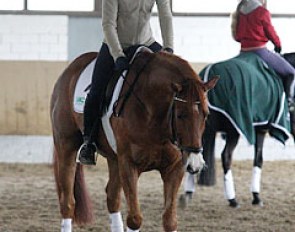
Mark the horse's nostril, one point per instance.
(190, 170)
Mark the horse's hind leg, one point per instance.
(113, 191)
(257, 166)
(65, 168)
(226, 157)
(65, 175)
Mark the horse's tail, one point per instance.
(83, 207)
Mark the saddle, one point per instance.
(84, 81)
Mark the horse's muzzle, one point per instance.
(190, 170)
(195, 163)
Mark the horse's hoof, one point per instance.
(257, 202)
(184, 199)
(233, 203)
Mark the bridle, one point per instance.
(175, 139)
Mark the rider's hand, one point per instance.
(121, 63)
(169, 50)
(278, 49)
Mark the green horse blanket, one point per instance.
(249, 93)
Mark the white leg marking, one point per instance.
(116, 222)
(189, 182)
(66, 225)
(256, 178)
(229, 188)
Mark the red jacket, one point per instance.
(255, 29)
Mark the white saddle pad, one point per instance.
(80, 90)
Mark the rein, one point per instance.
(175, 139)
(131, 83)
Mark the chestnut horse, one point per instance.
(219, 122)
(160, 127)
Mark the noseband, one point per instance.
(175, 139)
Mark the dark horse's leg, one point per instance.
(208, 174)
(257, 166)
(232, 138)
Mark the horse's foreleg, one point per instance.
(226, 157)
(113, 191)
(172, 178)
(257, 166)
(129, 178)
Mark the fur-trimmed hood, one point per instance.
(247, 6)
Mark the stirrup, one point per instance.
(87, 154)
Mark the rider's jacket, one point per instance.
(254, 29)
(127, 22)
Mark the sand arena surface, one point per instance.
(28, 201)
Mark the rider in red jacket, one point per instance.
(252, 27)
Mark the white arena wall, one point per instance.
(61, 37)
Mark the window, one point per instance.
(48, 5)
(281, 7)
(204, 6)
(228, 6)
(11, 5)
(178, 6)
(61, 5)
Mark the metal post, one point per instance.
(25, 4)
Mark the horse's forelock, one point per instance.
(190, 78)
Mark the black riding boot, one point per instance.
(289, 90)
(87, 153)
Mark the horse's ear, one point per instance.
(211, 83)
(176, 87)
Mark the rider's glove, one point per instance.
(121, 63)
(169, 50)
(278, 49)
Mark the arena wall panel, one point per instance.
(25, 91)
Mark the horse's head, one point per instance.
(188, 110)
(173, 105)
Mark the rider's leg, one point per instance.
(93, 109)
(284, 69)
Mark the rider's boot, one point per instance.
(289, 85)
(87, 154)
